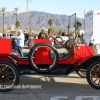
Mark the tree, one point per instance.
(50, 30)
(60, 32)
(3, 9)
(16, 12)
(77, 28)
(78, 25)
(50, 22)
(18, 24)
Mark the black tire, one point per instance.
(9, 76)
(81, 72)
(93, 75)
(46, 68)
(56, 43)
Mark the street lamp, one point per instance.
(30, 22)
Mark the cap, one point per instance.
(43, 28)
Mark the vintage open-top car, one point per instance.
(44, 58)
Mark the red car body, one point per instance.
(79, 58)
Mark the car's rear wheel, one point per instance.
(81, 72)
(93, 75)
(43, 67)
(9, 76)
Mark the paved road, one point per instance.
(50, 87)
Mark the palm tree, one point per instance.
(78, 25)
(50, 22)
(77, 28)
(3, 9)
(17, 25)
(16, 12)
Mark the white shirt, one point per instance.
(20, 41)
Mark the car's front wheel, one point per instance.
(9, 76)
(93, 75)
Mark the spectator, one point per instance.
(1, 35)
(10, 35)
(19, 42)
(82, 37)
(26, 36)
(64, 33)
(42, 34)
(4, 35)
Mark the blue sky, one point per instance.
(67, 7)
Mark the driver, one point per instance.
(42, 34)
(19, 42)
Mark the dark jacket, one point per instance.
(42, 36)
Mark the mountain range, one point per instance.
(36, 20)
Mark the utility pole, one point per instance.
(30, 22)
(3, 23)
(27, 16)
(84, 19)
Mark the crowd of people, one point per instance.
(22, 37)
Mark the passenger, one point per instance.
(42, 34)
(64, 33)
(26, 36)
(20, 42)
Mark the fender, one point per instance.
(9, 58)
(88, 62)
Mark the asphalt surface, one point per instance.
(49, 87)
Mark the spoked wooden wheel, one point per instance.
(43, 67)
(81, 72)
(8, 76)
(93, 75)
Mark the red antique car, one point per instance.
(42, 58)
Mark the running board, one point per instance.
(59, 70)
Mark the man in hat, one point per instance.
(42, 34)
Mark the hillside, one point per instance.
(38, 20)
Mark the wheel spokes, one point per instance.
(99, 82)
(9, 73)
(10, 76)
(96, 79)
(7, 70)
(95, 75)
(3, 83)
(6, 82)
(7, 76)
(9, 80)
